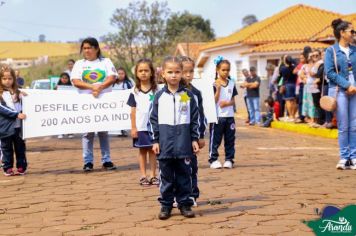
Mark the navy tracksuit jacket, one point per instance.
(11, 140)
(174, 124)
(202, 127)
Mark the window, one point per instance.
(239, 74)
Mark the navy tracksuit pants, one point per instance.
(224, 128)
(194, 166)
(176, 182)
(11, 144)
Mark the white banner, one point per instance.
(51, 112)
(63, 111)
(207, 91)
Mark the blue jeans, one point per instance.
(88, 144)
(346, 123)
(253, 104)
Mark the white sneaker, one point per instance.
(228, 164)
(353, 164)
(70, 135)
(60, 136)
(290, 119)
(195, 204)
(341, 165)
(216, 165)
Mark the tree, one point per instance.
(141, 32)
(180, 23)
(249, 20)
(42, 38)
(188, 35)
(153, 28)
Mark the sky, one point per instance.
(70, 20)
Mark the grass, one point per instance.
(54, 67)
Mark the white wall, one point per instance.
(231, 54)
(24, 63)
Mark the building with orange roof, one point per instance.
(189, 49)
(286, 32)
(326, 35)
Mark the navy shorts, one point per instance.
(290, 92)
(143, 140)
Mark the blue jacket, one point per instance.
(174, 123)
(7, 120)
(340, 79)
(202, 120)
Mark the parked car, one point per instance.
(41, 84)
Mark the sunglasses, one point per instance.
(352, 31)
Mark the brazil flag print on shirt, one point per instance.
(94, 76)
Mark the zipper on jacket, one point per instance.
(175, 127)
(174, 105)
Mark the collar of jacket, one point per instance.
(180, 88)
(337, 48)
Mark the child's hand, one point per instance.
(134, 133)
(201, 143)
(21, 116)
(217, 84)
(155, 148)
(195, 146)
(23, 93)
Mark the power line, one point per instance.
(16, 32)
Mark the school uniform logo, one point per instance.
(187, 161)
(232, 126)
(184, 98)
(184, 108)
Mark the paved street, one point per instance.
(280, 179)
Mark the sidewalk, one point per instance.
(296, 128)
(305, 129)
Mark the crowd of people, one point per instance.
(296, 87)
(175, 138)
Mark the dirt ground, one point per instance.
(279, 180)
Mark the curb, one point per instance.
(305, 129)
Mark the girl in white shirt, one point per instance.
(140, 101)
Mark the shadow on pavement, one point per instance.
(221, 207)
